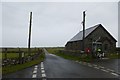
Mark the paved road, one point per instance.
(57, 67)
(112, 64)
(25, 73)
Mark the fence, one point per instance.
(20, 59)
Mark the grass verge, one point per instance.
(84, 57)
(113, 56)
(14, 68)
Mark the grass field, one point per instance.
(14, 68)
(71, 57)
(113, 55)
(21, 49)
(14, 52)
(0, 55)
(10, 55)
(84, 57)
(13, 55)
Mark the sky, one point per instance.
(118, 24)
(54, 23)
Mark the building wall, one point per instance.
(76, 45)
(108, 43)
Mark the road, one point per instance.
(56, 67)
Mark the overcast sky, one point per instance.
(54, 23)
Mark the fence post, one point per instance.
(20, 56)
(5, 50)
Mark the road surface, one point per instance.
(56, 67)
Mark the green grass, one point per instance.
(52, 50)
(10, 55)
(0, 55)
(21, 49)
(113, 56)
(84, 57)
(14, 68)
(13, 55)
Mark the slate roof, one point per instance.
(79, 35)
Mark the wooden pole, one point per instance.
(29, 39)
(19, 56)
(83, 46)
(5, 53)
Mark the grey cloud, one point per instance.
(53, 23)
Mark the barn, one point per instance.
(95, 37)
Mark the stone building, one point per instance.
(95, 37)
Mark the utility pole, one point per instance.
(29, 39)
(83, 45)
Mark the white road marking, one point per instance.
(43, 75)
(34, 76)
(36, 66)
(42, 64)
(76, 61)
(43, 79)
(42, 68)
(115, 74)
(52, 54)
(97, 67)
(43, 71)
(104, 70)
(110, 70)
(34, 71)
(105, 58)
(90, 65)
(101, 67)
(94, 65)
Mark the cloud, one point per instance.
(119, 24)
(54, 23)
